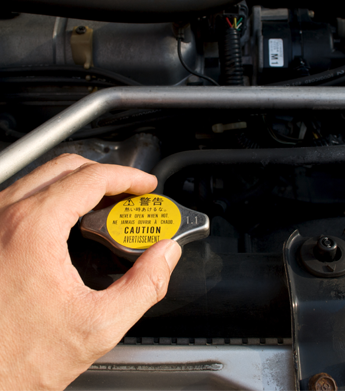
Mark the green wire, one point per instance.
(239, 21)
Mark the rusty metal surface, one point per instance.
(322, 382)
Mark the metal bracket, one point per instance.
(82, 46)
(318, 322)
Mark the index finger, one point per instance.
(80, 191)
(41, 177)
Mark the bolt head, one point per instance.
(80, 30)
(322, 382)
(326, 249)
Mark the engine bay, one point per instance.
(260, 167)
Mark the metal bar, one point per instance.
(60, 127)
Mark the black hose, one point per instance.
(86, 132)
(82, 133)
(230, 56)
(339, 81)
(323, 78)
(63, 70)
(103, 130)
(54, 80)
(284, 156)
(186, 67)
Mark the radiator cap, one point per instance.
(133, 225)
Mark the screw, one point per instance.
(327, 242)
(322, 382)
(80, 30)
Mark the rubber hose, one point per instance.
(285, 156)
(330, 77)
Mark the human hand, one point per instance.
(53, 327)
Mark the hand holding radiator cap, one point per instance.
(66, 325)
(132, 225)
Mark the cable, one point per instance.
(186, 67)
(230, 55)
(4, 125)
(275, 138)
(229, 23)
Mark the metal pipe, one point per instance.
(60, 127)
(285, 156)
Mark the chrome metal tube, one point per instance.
(60, 127)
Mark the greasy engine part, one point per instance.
(57, 129)
(292, 45)
(136, 11)
(50, 41)
(317, 312)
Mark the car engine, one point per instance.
(238, 108)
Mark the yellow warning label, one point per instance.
(141, 221)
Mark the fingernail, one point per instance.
(173, 254)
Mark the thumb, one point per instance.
(144, 285)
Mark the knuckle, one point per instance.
(159, 279)
(15, 218)
(17, 212)
(93, 169)
(71, 158)
(91, 335)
